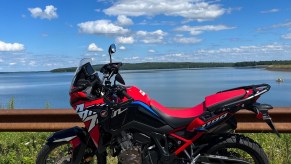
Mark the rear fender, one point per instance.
(69, 134)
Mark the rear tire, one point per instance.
(238, 147)
(62, 153)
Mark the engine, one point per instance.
(126, 151)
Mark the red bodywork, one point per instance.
(138, 95)
(80, 104)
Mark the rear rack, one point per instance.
(257, 91)
(254, 87)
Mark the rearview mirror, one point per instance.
(111, 50)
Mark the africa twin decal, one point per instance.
(87, 115)
(217, 119)
(118, 112)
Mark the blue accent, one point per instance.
(145, 106)
(201, 129)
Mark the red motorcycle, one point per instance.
(125, 122)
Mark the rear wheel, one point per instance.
(62, 153)
(234, 149)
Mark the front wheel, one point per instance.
(62, 153)
(233, 149)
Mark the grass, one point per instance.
(277, 149)
(279, 67)
(22, 147)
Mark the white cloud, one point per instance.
(101, 27)
(274, 26)
(196, 30)
(270, 11)
(48, 13)
(132, 59)
(151, 37)
(32, 63)
(269, 49)
(122, 48)
(124, 21)
(282, 25)
(125, 40)
(93, 48)
(190, 40)
(286, 36)
(151, 51)
(266, 52)
(11, 46)
(190, 9)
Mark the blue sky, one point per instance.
(42, 35)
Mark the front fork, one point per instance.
(78, 138)
(262, 112)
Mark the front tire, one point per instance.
(236, 147)
(62, 153)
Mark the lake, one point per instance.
(173, 88)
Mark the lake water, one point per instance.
(174, 88)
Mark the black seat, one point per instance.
(177, 117)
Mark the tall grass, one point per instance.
(22, 147)
(277, 149)
(11, 103)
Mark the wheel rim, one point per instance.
(61, 154)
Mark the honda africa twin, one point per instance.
(126, 123)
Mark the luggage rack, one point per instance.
(257, 91)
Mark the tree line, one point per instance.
(185, 65)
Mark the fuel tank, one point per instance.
(138, 114)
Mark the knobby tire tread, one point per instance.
(241, 142)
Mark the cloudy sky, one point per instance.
(43, 35)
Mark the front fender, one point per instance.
(69, 134)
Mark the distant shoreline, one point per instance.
(281, 68)
(268, 65)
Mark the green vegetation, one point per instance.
(177, 65)
(279, 67)
(262, 63)
(47, 105)
(10, 104)
(23, 147)
(20, 147)
(277, 149)
(154, 65)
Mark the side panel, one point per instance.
(137, 111)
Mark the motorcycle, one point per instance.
(123, 121)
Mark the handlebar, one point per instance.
(128, 101)
(120, 91)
